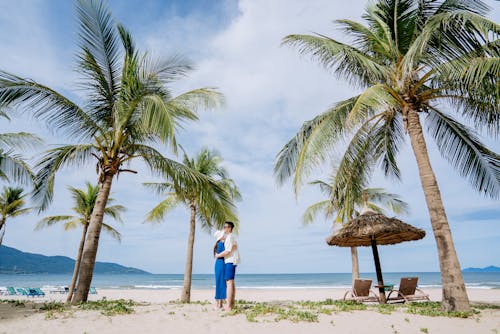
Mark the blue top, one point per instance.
(220, 248)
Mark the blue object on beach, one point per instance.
(31, 292)
(220, 282)
(39, 292)
(229, 271)
(21, 291)
(93, 291)
(11, 291)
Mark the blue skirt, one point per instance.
(220, 282)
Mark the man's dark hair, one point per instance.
(230, 224)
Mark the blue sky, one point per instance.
(270, 91)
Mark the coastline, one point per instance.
(158, 311)
(490, 296)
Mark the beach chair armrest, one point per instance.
(422, 293)
(348, 293)
(374, 294)
(398, 294)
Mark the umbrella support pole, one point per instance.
(379, 272)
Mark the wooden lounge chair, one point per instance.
(407, 292)
(361, 292)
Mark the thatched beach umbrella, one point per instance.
(372, 229)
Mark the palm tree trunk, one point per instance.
(77, 264)
(92, 241)
(2, 229)
(454, 294)
(355, 263)
(188, 271)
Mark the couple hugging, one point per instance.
(227, 258)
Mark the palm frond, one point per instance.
(114, 211)
(346, 61)
(448, 36)
(391, 201)
(185, 105)
(51, 162)
(14, 169)
(112, 232)
(310, 146)
(58, 111)
(471, 85)
(157, 214)
(313, 210)
(99, 43)
(52, 220)
(463, 149)
(19, 140)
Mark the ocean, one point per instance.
(488, 280)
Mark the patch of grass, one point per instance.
(14, 302)
(486, 306)
(424, 330)
(385, 308)
(302, 311)
(348, 305)
(109, 307)
(278, 312)
(53, 307)
(433, 309)
(49, 315)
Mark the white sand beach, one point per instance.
(159, 314)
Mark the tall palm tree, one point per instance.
(128, 109)
(84, 200)
(210, 206)
(415, 61)
(375, 199)
(12, 204)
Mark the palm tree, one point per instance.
(12, 204)
(210, 206)
(375, 199)
(84, 200)
(413, 60)
(128, 109)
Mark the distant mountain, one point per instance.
(13, 261)
(490, 269)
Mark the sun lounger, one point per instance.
(21, 291)
(92, 291)
(59, 289)
(361, 292)
(407, 292)
(11, 291)
(39, 292)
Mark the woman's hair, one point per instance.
(215, 248)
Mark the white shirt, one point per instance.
(230, 244)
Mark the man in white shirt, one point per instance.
(231, 260)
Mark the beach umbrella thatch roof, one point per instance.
(369, 226)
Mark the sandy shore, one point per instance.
(161, 315)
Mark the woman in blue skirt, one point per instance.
(220, 283)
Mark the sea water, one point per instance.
(487, 280)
